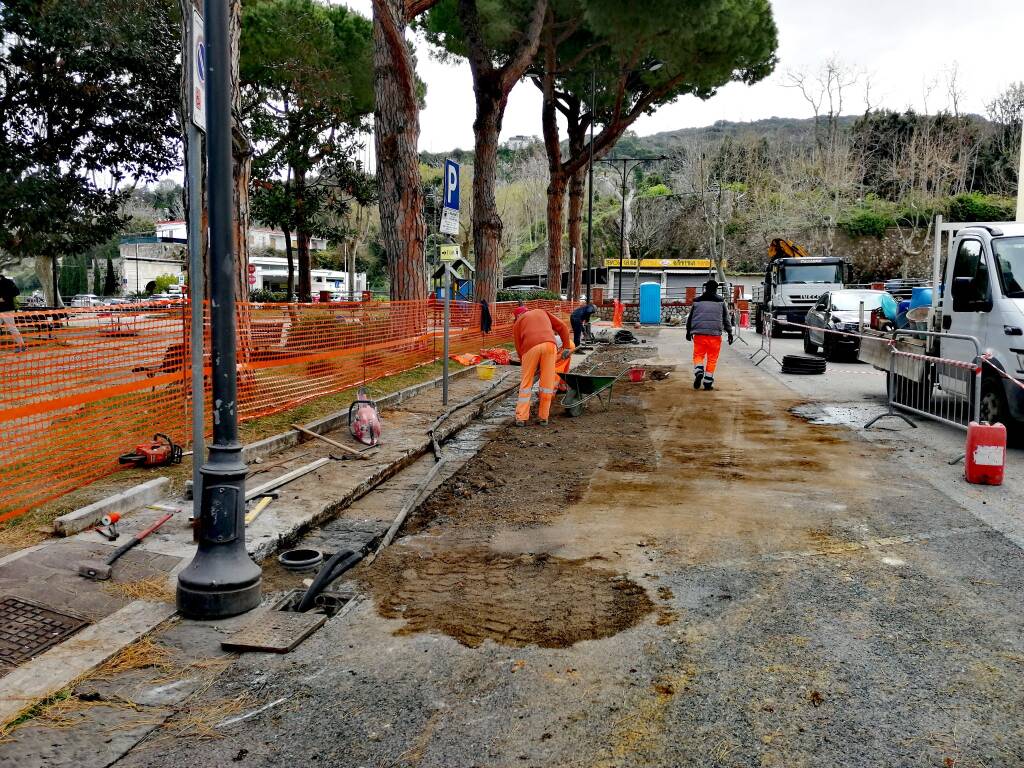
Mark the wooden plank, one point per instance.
(316, 435)
(286, 478)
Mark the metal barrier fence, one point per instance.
(946, 390)
(95, 382)
(942, 389)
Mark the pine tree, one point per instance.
(110, 283)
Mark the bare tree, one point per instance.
(833, 163)
(708, 176)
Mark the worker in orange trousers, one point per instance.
(534, 333)
(707, 322)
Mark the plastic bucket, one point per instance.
(485, 371)
(636, 375)
(920, 297)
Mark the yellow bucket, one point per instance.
(485, 372)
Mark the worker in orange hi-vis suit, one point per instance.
(708, 320)
(534, 334)
(562, 364)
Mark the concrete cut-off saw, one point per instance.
(364, 420)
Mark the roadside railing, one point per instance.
(937, 388)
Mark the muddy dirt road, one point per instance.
(686, 579)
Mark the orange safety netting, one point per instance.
(93, 383)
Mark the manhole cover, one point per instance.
(274, 632)
(27, 629)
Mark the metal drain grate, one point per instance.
(27, 629)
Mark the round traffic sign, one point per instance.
(252, 279)
(201, 60)
(252, 269)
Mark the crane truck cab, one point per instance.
(982, 296)
(793, 282)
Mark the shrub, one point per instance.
(163, 282)
(979, 207)
(510, 295)
(866, 222)
(263, 296)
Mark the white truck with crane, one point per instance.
(793, 282)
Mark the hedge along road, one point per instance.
(689, 578)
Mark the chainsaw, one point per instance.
(159, 452)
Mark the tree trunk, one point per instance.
(490, 106)
(305, 287)
(556, 216)
(305, 282)
(44, 272)
(577, 186)
(397, 131)
(290, 255)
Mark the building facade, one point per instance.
(259, 237)
(271, 274)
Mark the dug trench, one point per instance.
(547, 536)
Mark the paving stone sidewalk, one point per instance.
(47, 574)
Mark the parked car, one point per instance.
(86, 300)
(838, 311)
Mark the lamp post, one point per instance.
(626, 168)
(653, 67)
(590, 183)
(221, 580)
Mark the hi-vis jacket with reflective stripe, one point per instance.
(538, 326)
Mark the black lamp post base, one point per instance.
(203, 604)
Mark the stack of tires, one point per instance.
(803, 365)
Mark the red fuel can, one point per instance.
(986, 453)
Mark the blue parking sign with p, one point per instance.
(451, 184)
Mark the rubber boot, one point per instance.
(698, 376)
(709, 383)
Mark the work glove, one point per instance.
(689, 337)
(731, 339)
(566, 353)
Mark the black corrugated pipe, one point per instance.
(331, 570)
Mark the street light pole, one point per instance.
(590, 183)
(622, 225)
(622, 230)
(221, 580)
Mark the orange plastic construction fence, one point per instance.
(94, 383)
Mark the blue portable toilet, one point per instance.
(650, 303)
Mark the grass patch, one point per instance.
(156, 589)
(36, 525)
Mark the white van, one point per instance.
(982, 295)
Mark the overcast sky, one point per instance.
(901, 44)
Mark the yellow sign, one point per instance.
(660, 263)
(450, 253)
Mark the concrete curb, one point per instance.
(126, 501)
(268, 446)
(60, 666)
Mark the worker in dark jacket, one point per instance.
(580, 317)
(709, 318)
